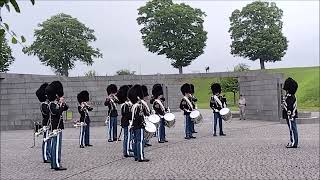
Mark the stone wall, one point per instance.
(19, 106)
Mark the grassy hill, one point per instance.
(308, 93)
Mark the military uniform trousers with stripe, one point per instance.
(138, 146)
(46, 148)
(293, 131)
(56, 151)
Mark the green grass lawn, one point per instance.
(308, 93)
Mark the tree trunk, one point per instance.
(65, 73)
(234, 97)
(180, 70)
(262, 64)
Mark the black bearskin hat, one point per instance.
(144, 91)
(192, 88)
(59, 88)
(157, 90)
(83, 96)
(290, 86)
(216, 88)
(134, 93)
(112, 89)
(53, 89)
(122, 93)
(41, 92)
(185, 88)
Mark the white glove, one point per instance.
(130, 125)
(44, 128)
(107, 120)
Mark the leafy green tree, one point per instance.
(4, 27)
(61, 41)
(91, 73)
(231, 84)
(241, 67)
(6, 57)
(173, 30)
(125, 72)
(256, 33)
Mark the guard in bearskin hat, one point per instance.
(160, 110)
(83, 109)
(216, 104)
(144, 99)
(187, 106)
(111, 102)
(57, 105)
(125, 119)
(44, 107)
(137, 124)
(290, 112)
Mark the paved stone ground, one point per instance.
(251, 150)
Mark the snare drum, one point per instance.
(225, 114)
(155, 119)
(169, 120)
(196, 116)
(149, 130)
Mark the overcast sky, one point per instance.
(119, 39)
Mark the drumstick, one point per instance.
(167, 98)
(119, 135)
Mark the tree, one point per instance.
(256, 33)
(4, 27)
(6, 57)
(231, 84)
(125, 72)
(241, 67)
(61, 41)
(173, 30)
(91, 73)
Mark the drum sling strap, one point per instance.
(189, 102)
(161, 106)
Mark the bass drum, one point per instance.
(149, 130)
(196, 116)
(155, 119)
(169, 120)
(225, 114)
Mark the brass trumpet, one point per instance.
(42, 130)
(79, 124)
(52, 134)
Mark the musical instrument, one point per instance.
(37, 126)
(155, 119)
(113, 98)
(107, 120)
(196, 116)
(42, 130)
(52, 134)
(79, 124)
(225, 114)
(149, 130)
(169, 120)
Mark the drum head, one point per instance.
(169, 117)
(150, 127)
(195, 114)
(154, 118)
(224, 111)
